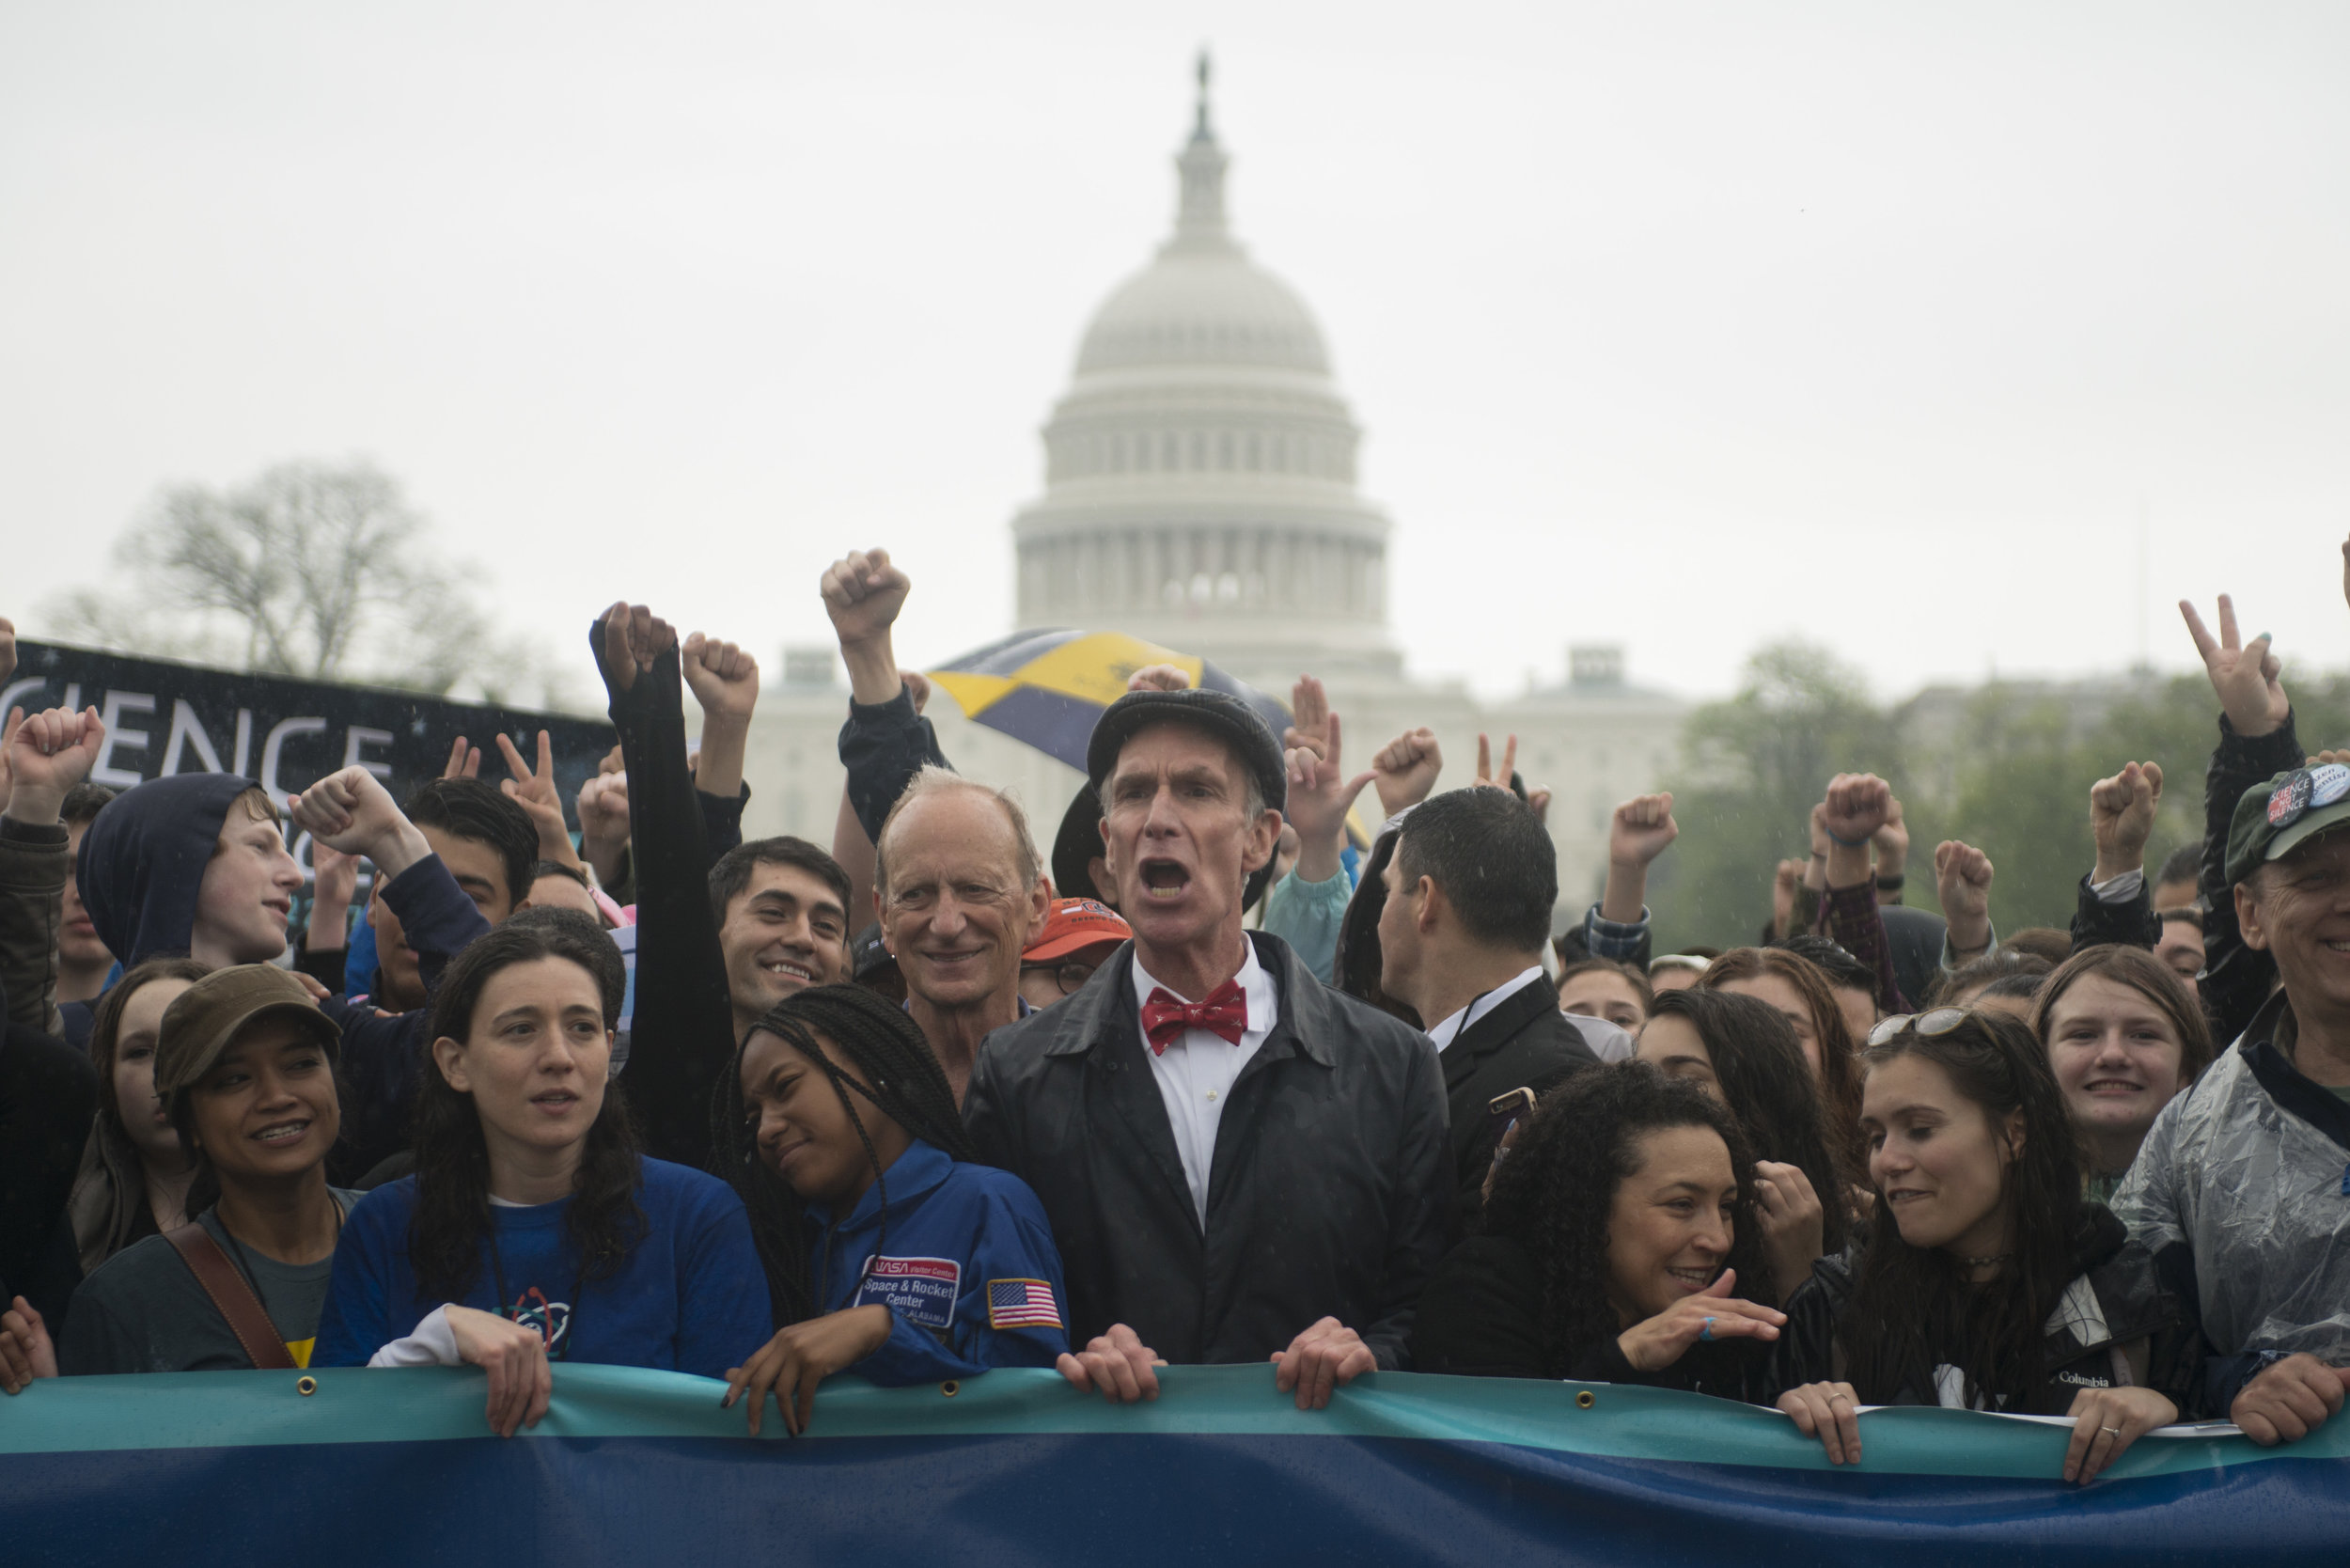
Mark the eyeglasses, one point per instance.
(1070, 976)
(1942, 1020)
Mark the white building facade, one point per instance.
(1200, 492)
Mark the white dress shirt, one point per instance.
(1195, 1072)
(1446, 1032)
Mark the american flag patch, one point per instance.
(1021, 1304)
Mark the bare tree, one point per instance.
(312, 571)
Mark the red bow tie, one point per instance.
(1166, 1016)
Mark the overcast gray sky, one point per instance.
(1686, 326)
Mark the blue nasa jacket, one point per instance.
(967, 1270)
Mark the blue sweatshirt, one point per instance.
(691, 1297)
(970, 1274)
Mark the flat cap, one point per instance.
(1222, 714)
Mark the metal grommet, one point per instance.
(1585, 1398)
(305, 1386)
(950, 1387)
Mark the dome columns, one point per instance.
(1077, 579)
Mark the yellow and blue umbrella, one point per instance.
(1048, 688)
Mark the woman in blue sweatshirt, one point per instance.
(533, 1231)
(888, 1254)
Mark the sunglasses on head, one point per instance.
(1942, 1020)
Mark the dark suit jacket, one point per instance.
(1326, 1196)
(1524, 1043)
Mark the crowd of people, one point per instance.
(1207, 1083)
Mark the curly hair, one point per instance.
(895, 1073)
(452, 1221)
(1911, 1308)
(1555, 1194)
(1839, 1075)
(1772, 1092)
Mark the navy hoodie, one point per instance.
(140, 866)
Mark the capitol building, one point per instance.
(1200, 492)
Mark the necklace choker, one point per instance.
(1992, 1261)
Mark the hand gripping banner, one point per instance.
(633, 1467)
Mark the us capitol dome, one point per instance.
(1200, 472)
(1200, 492)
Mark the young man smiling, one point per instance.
(783, 922)
(717, 943)
(1239, 1164)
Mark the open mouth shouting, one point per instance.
(1165, 879)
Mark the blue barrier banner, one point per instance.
(633, 1467)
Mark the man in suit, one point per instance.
(1469, 890)
(1239, 1163)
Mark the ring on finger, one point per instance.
(1840, 1394)
(2115, 1429)
(1706, 1332)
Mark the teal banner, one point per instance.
(344, 1468)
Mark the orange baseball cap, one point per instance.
(1074, 925)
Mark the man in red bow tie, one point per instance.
(1239, 1163)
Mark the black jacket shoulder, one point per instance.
(1326, 1196)
(1526, 1043)
(1481, 1315)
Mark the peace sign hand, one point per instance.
(1485, 772)
(2244, 675)
(534, 790)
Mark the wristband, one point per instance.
(1890, 884)
(1848, 843)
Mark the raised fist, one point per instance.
(1857, 804)
(864, 593)
(1641, 830)
(350, 810)
(723, 678)
(632, 638)
(2121, 818)
(1962, 881)
(1406, 769)
(48, 753)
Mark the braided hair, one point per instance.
(902, 1081)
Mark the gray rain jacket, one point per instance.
(2242, 1192)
